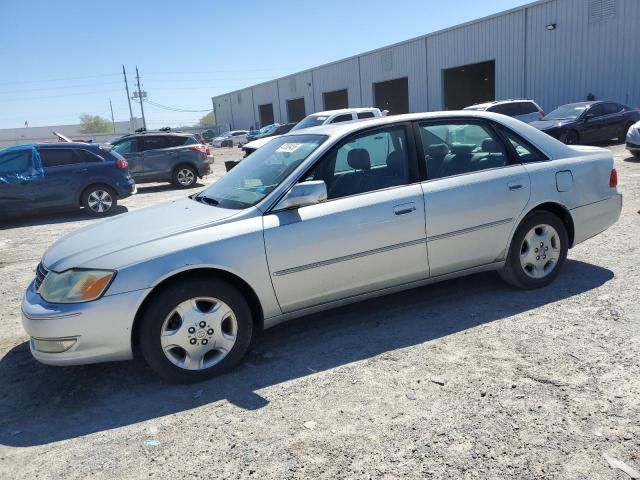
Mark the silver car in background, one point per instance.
(312, 220)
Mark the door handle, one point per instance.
(80, 170)
(404, 208)
(515, 186)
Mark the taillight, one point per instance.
(613, 178)
(208, 152)
(542, 113)
(199, 148)
(122, 164)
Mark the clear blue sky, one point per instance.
(61, 59)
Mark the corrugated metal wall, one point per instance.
(296, 86)
(595, 48)
(223, 111)
(242, 109)
(337, 76)
(588, 52)
(404, 60)
(500, 39)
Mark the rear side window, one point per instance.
(153, 143)
(177, 141)
(59, 157)
(362, 115)
(342, 118)
(525, 108)
(84, 156)
(525, 152)
(15, 162)
(503, 108)
(611, 108)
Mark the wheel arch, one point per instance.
(559, 211)
(199, 273)
(97, 183)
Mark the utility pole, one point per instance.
(144, 121)
(126, 85)
(113, 123)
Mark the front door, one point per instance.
(594, 128)
(368, 235)
(474, 193)
(16, 180)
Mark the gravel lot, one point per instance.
(463, 379)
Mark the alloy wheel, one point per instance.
(199, 333)
(540, 251)
(100, 201)
(185, 177)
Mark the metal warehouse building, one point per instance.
(553, 51)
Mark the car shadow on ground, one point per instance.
(43, 404)
(165, 187)
(52, 218)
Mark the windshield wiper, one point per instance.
(204, 199)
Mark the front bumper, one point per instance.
(101, 329)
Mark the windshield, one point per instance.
(567, 112)
(266, 129)
(256, 176)
(310, 121)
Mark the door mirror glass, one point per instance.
(305, 193)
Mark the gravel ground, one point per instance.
(463, 379)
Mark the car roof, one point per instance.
(344, 110)
(498, 102)
(84, 145)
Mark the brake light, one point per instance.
(122, 164)
(613, 178)
(208, 152)
(199, 148)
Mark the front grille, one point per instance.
(41, 272)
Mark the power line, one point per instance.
(58, 87)
(40, 80)
(175, 109)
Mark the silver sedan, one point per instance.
(312, 220)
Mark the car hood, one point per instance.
(260, 142)
(114, 236)
(548, 124)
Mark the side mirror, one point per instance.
(589, 116)
(305, 193)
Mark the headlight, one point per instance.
(75, 286)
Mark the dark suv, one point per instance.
(178, 158)
(35, 178)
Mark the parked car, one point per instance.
(586, 122)
(178, 158)
(524, 110)
(62, 176)
(318, 218)
(633, 139)
(266, 131)
(208, 135)
(321, 118)
(235, 138)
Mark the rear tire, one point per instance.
(184, 176)
(538, 251)
(195, 330)
(636, 153)
(99, 200)
(623, 135)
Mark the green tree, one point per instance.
(94, 124)
(208, 120)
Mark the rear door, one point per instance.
(67, 172)
(594, 129)
(156, 156)
(474, 192)
(615, 120)
(16, 185)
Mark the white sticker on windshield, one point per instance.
(288, 147)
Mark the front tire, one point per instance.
(570, 138)
(99, 200)
(195, 330)
(538, 251)
(184, 176)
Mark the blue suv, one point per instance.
(35, 178)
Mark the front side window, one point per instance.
(371, 161)
(310, 121)
(460, 147)
(260, 173)
(15, 163)
(596, 111)
(126, 146)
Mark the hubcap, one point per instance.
(100, 201)
(185, 177)
(199, 333)
(540, 251)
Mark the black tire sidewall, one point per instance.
(570, 134)
(85, 200)
(184, 167)
(165, 300)
(530, 221)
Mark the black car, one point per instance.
(35, 178)
(586, 122)
(179, 158)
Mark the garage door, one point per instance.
(392, 95)
(469, 84)
(295, 110)
(266, 114)
(336, 99)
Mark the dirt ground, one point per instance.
(465, 379)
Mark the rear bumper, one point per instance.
(204, 169)
(590, 220)
(126, 187)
